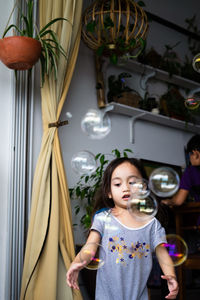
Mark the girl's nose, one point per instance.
(126, 187)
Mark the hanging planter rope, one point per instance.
(114, 27)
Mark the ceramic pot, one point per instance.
(19, 52)
(128, 98)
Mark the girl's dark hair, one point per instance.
(193, 143)
(101, 197)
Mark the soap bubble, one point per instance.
(94, 255)
(142, 207)
(164, 182)
(140, 186)
(83, 162)
(196, 63)
(95, 124)
(69, 114)
(176, 248)
(192, 103)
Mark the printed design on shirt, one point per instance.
(125, 253)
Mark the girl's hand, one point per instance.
(72, 274)
(172, 286)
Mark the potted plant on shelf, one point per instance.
(85, 189)
(22, 51)
(120, 92)
(172, 105)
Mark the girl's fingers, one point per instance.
(72, 274)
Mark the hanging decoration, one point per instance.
(114, 28)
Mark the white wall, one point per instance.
(152, 142)
(6, 90)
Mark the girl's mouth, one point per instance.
(126, 197)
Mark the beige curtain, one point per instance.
(50, 245)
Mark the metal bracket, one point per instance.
(106, 109)
(146, 78)
(132, 125)
(194, 91)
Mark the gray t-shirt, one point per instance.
(128, 259)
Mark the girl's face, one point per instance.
(195, 158)
(123, 177)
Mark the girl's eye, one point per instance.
(132, 182)
(117, 184)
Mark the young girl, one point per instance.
(128, 243)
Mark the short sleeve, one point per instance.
(158, 234)
(185, 182)
(99, 222)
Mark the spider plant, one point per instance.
(51, 48)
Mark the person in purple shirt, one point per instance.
(190, 180)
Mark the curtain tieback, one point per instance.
(58, 124)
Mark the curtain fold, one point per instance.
(50, 244)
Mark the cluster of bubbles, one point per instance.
(163, 182)
(96, 125)
(142, 205)
(193, 102)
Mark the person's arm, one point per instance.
(177, 199)
(77, 264)
(167, 267)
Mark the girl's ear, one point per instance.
(109, 195)
(196, 153)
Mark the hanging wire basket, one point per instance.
(114, 27)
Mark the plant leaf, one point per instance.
(13, 26)
(50, 23)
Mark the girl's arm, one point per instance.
(167, 267)
(177, 199)
(77, 264)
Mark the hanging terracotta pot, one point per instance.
(19, 52)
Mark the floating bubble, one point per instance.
(140, 186)
(142, 207)
(164, 182)
(192, 103)
(95, 124)
(176, 248)
(196, 63)
(69, 114)
(83, 162)
(94, 255)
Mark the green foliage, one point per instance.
(170, 61)
(172, 105)
(51, 48)
(117, 86)
(120, 46)
(194, 44)
(87, 186)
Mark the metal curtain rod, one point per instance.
(173, 26)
